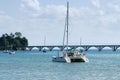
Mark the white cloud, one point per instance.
(115, 7)
(48, 11)
(96, 3)
(54, 11)
(31, 4)
(2, 12)
(4, 17)
(92, 24)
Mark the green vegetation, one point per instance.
(13, 41)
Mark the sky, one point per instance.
(92, 21)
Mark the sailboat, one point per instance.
(6, 50)
(44, 45)
(11, 51)
(69, 55)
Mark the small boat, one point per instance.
(12, 52)
(69, 55)
(6, 51)
(9, 51)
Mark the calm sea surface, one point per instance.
(36, 65)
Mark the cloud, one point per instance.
(96, 3)
(115, 7)
(85, 21)
(78, 15)
(30, 4)
(2, 12)
(57, 11)
(4, 17)
(48, 12)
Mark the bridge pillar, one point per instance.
(40, 48)
(99, 47)
(86, 48)
(50, 48)
(61, 48)
(114, 48)
(30, 49)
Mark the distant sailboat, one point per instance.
(44, 50)
(6, 50)
(81, 50)
(70, 55)
(11, 51)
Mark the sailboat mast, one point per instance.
(44, 40)
(80, 41)
(67, 22)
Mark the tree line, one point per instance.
(13, 41)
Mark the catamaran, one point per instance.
(69, 55)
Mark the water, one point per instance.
(35, 65)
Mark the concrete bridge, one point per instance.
(84, 47)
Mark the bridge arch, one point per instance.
(65, 48)
(118, 48)
(56, 48)
(93, 48)
(107, 48)
(44, 48)
(35, 48)
(78, 48)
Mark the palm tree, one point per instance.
(18, 34)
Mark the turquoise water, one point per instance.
(35, 65)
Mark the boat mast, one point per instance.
(66, 28)
(67, 22)
(80, 43)
(44, 43)
(44, 40)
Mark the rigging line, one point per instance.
(64, 33)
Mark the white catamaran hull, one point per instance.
(69, 59)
